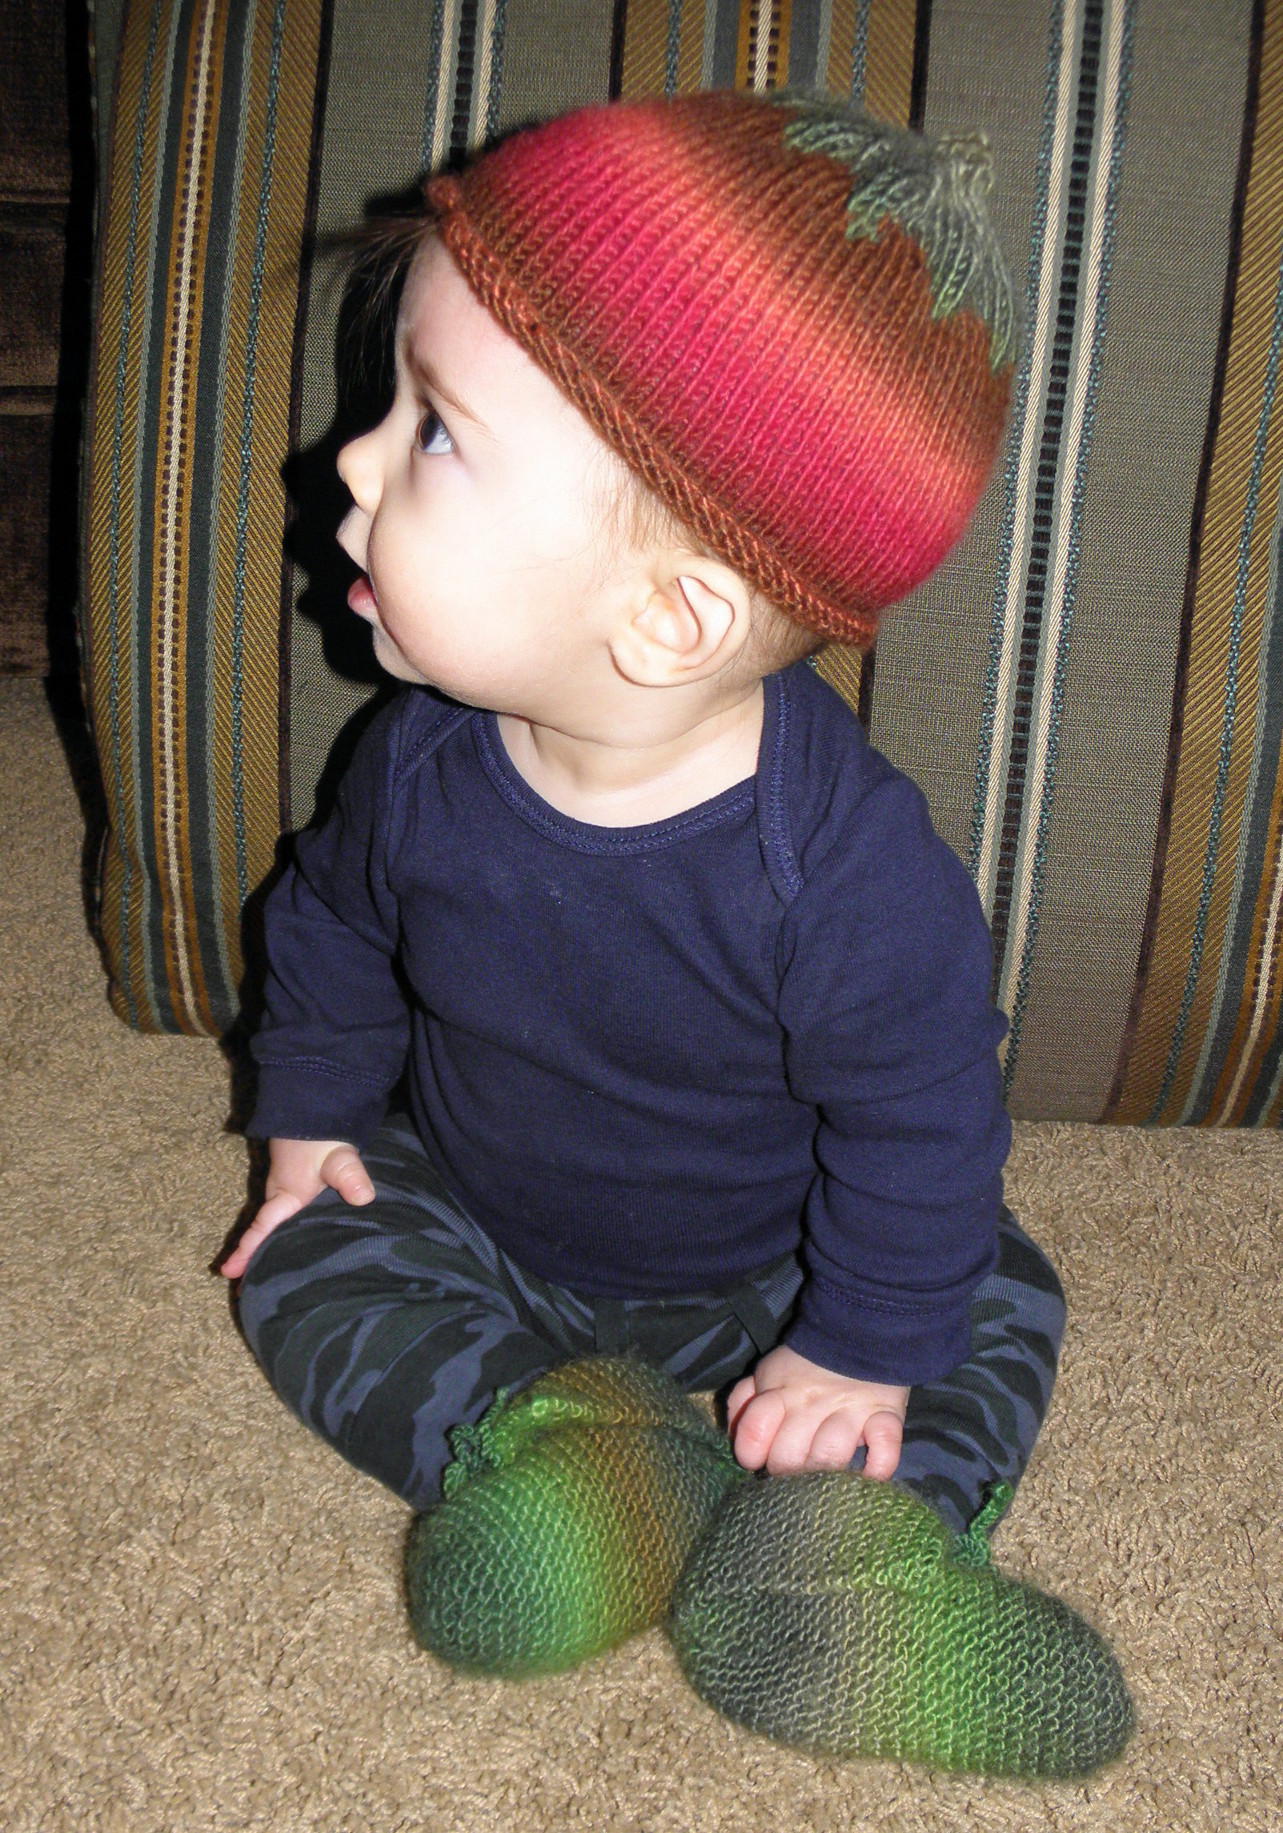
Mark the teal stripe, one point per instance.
(1037, 876)
(113, 525)
(672, 48)
(860, 50)
(436, 33)
(247, 448)
(1231, 699)
(496, 69)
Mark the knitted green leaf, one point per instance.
(934, 188)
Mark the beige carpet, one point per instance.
(200, 1615)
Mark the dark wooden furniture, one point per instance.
(45, 218)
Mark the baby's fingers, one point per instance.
(343, 1171)
(882, 1435)
(837, 1438)
(738, 1398)
(753, 1431)
(275, 1211)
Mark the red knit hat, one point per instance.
(791, 320)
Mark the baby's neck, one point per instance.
(647, 778)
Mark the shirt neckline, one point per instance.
(586, 837)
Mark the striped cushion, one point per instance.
(1090, 691)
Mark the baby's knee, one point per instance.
(1026, 1269)
(288, 1280)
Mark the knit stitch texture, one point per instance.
(566, 1519)
(827, 1611)
(758, 305)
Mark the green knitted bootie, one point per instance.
(838, 1614)
(565, 1520)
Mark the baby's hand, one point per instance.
(792, 1415)
(300, 1170)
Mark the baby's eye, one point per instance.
(430, 428)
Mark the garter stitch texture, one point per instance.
(829, 1611)
(567, 1516)
(791, 320)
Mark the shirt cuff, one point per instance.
(309, 1098)
(899, 1346)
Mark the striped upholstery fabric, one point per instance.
(188, 422)
(1090, 691)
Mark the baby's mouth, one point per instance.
(361, 599)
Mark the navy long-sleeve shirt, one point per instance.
(650, 1059)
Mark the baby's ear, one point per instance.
(691, 624)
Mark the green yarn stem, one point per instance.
(972, 1547)
(935, 190)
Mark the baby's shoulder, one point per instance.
(829, 787)
(406, 729)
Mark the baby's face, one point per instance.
(473, 514)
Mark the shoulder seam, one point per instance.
(448, 721)
(778, 837)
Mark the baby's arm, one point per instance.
(792, 1415)
(300, 1170)
(335, 1029)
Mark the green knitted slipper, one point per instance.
(566, 1519)
(838, 1614)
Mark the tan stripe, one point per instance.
(770, 65)
(841, 47)
(1209, 638)
(445, 83)
(481, 73)
(645, 44)
(690, 50)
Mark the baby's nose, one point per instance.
(358, 466)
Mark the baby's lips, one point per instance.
(361, 599)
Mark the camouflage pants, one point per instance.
(383, 1327)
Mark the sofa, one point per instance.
(1089, 690)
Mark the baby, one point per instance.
(703, 1087)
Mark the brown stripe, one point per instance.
(837, 75)
(1131, 1093)
(690, 50)
(645, 45)
(888, 59)
(1266, 969)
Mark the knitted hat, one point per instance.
(791, 320)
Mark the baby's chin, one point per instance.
(392, 662)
